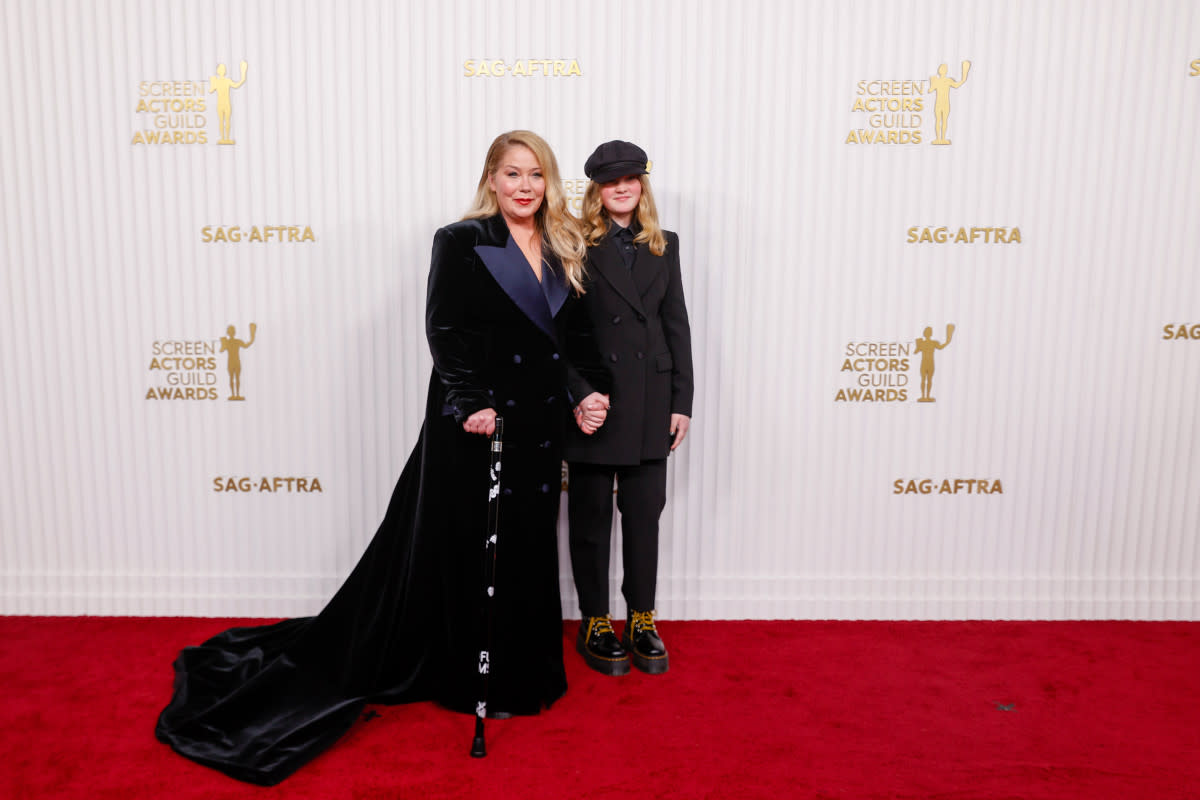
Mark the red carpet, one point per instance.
(748, 710)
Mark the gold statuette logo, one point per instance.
(222, 85)
(940, 86)
(927, 346)
(234, 346)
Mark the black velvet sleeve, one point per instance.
(456, 339)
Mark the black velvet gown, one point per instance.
(258, 702)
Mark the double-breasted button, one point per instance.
(510, 403)
(612, 357)
(507, 492)
(641, 317)
(517, 358)
(554, 357)
(640, 355)
(545, 488)
(616, 319)
(546, 445)
(550, 399)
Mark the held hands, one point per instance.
(482, 421)
(679, 428)
(591, 412)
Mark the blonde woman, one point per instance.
(635, 303)
(257, 703)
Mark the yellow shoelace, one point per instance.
(643, 621)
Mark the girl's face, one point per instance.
(518, 184)
(620, 198)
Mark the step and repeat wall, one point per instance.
(941, 261)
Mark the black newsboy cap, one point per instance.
(616, 159)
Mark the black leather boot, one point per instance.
(600, 648)
(642, 640)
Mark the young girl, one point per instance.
(634, 300)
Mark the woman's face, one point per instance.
(518, 184)
(620, 198)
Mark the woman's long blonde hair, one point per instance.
(558, 228)
(595, 217)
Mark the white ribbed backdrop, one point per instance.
(1079, 125)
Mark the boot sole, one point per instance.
(651, 665)
(605, 666)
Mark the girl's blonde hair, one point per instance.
(595, 217)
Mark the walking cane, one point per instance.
(478, 747)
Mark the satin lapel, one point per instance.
(510, 269)
(554, 285)
(606, 258)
